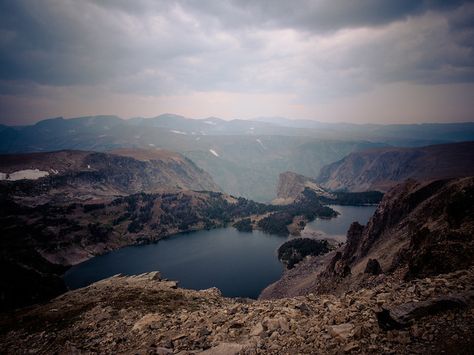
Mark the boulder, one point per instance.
(343, 330)
(257, 330)
(224, 349)
(403, 314)
(148, 321)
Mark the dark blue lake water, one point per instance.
(336, 228)
(239, 264)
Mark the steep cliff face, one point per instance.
(291, 185)
(77, 175)
(381, 169)
(418, 230)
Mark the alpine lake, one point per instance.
(239, 264)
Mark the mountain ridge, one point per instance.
(382, 168)
(243, 157)
(81, 175)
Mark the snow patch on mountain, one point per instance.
(178, 132)
(27, 174)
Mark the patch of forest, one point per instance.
(295, 250)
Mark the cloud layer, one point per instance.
(300, 58)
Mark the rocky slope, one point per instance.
(418, 230)
(146, 315)
(291, 185)
(380, 169)
(78, 175)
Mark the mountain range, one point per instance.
(73, 189)
(244, 157)
(71, 175)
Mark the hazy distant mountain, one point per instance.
(397, 134)
(244, 157)
(382, 168)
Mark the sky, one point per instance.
(376, 61)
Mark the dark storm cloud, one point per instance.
(79, 42)
(90, 42)
(313, 50)
(313, 15)
(316, 15)
(50, 44)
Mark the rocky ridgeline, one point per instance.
(80, 176)
(146, 315)
(291, 185)
(382, 168)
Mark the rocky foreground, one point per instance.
(146, 315)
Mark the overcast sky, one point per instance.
(356, 61)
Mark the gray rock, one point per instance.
(402, 315)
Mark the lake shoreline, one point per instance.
(184, 241)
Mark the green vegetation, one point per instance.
(244, 225)
(224, 210)
(295, 250)
(308, 206)
(99, 232)
(354, 198)
(276, 223)
(93, 207)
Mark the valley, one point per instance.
(87, 205)
(250, 153)
(229, 177)
(71, 220)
